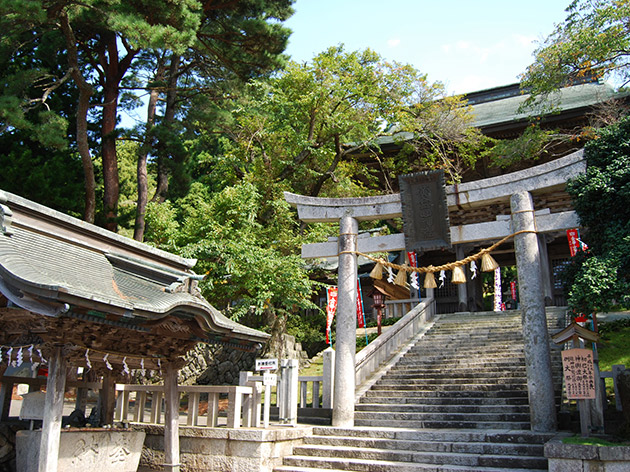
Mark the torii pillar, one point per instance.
(347, 212)
(535, 334)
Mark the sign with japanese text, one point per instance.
(498, 296)
(331, 308)
(266, 364)
(270, 379)
(425, 211)
(579, 373)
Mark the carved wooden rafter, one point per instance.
(149, 348)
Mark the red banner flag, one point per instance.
(574, 241)
(413, 262)
(331, 308)
(360, 316)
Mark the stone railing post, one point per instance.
(288, 391)
(328, 382)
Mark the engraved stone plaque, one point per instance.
(424, 210)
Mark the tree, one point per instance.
(308, 126)
(245, 243)
(600, 278)
(103, 40)
(236, 41)
(592, 42)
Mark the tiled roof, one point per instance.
(60, 266)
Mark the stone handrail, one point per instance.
(381, 350)
(398, 308)
(237, 414)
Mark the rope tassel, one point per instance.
(488, 264)
(429, 280)
(401, 278)
(458, 275)
(377, 272)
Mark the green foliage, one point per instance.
(384, 322)
(52, 178)
(528, 147)
(614, 342)
(244, 243)
(593, 41)
(310, 330)
(361, 341)
(309, 126)
(600, 279)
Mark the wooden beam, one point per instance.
(53, 412)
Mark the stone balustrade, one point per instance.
(382, 349)
(243, 407)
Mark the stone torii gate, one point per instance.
(349, 211)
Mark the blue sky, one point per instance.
(467, 45)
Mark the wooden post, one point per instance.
(171, 423)
(108, 398)
(53, 412)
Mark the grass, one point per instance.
(591, 441)
(614, 346)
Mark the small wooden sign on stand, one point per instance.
(579, 374)
(578, 368)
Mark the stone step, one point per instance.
(473, 359)
(430, 445)
(437, 424)
(504, 337)
(476, 387)
(421, 374)
(425, 457)
(328, 464)
(428, 380)
(412, 369)
(453, 408)
(444, 416)
(398, 393)
(412, 434)
(431, 401)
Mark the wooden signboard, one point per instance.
(579, 373)
(425, 211)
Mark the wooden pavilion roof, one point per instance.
(63, 281)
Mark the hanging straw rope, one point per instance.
(433, 269)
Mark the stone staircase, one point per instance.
(456, 401)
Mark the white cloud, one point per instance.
(392, 43)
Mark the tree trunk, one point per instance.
(169, 119)
(108, 134)
(329, 172)
(143, 187)
(85, 93)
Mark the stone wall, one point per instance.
(576, 457)
(223, 449)
(218, 365)
(7, 447)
